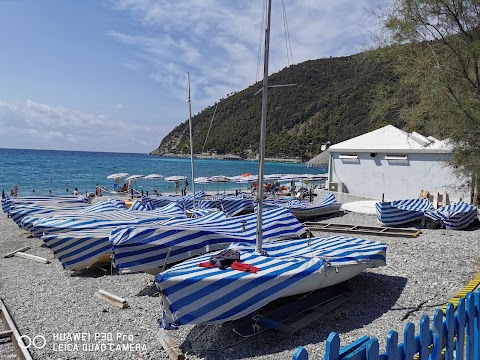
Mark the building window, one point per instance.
(396, 157)
(349, 156)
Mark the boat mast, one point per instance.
(191, 139)
(263, 130)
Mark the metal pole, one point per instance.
(191, 139)
(263, 131)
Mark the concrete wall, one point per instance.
(373, 176)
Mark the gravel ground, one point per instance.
(46, 300)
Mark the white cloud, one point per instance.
(205, 36)
(29, 124)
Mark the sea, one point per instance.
(55, 172)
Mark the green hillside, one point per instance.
(334, 100)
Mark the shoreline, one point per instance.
(233, 157)
(46, 300)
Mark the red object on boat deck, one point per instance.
(236, 265)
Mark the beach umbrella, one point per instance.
(245, 179)
(116, 176)
(176, 179)
(203, 181)
(154, 177)
(220, 179)
(273, 176)
(134, 178)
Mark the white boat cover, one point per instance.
(198, 295)
(402, 211)
(455, 216)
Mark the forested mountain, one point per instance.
(334, 99)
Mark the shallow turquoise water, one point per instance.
(43, 172)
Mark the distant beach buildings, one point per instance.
(395, 164)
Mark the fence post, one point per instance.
(439, 331)
(470, 339)
(300, 354)
(460, 329)
(333, 347)
(476, 354)
(392, 349)
(409, 348)
(373, 351)
(450, 334)
(425, 338)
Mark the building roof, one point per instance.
(320, 161)
(390, 139)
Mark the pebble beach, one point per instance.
(45, 300)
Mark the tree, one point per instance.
(442, 70)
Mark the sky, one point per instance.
(111, 75)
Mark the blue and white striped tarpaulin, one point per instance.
(81, 247)
(186, 201)
(197, 295)
(209, 204)
(105, 205)
(230, 205)
(107, 219)
(234, 205)
(402, 211)
(278, 223)
(20, 212)
(145, 248)
(201, 212)
(41, 209)
(455, 216)
(303, 210)
(78, 250)
(10, 202)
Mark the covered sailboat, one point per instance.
(306, 210)
(211, 290)
(193, 294)
(402, 211)
(150, 248)
(455, 216)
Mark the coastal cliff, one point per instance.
(334, 99)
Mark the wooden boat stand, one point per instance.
(365, 230)
(293, 313)
(12, 332)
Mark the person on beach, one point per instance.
(124, 187)
(98, 191)
(75, 192)
(185, 184)
(177, 183)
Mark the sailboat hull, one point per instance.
(197, 295)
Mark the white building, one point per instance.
(395, 164)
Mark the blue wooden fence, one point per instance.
(455, 337)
